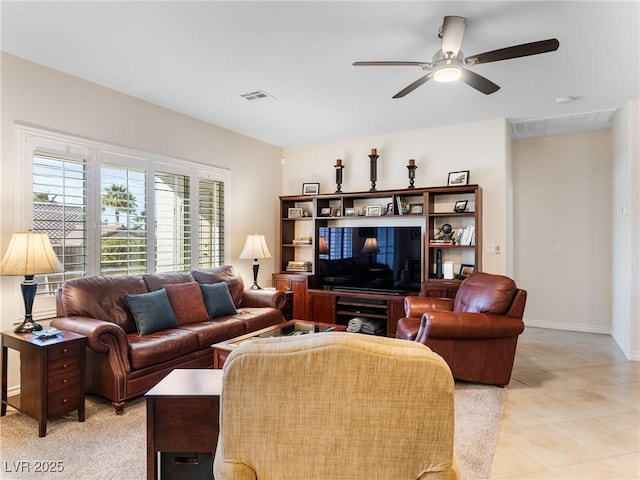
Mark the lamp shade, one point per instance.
(323, 246)
(255, 247)
(29, 253)
(370, 245)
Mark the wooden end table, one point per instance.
(183, 414)
(51, 375)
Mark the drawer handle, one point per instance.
(65, 350)
(65, 400)
(65, 365)
(65, 380)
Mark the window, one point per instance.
(115, 211)
(210, 223)
(59, 209)
(123, 237)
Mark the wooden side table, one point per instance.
(183, 416)
(51, 375)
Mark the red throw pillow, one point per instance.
(187, 302)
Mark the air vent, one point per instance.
(561, 125)
(256, 95)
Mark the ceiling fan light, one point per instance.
(449, 73)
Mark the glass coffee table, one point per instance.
(292, 327)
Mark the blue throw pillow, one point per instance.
(217, 299)
(151, 311)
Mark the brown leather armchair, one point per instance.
(476, 333)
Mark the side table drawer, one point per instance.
(64, 400)
(67, 349)
(63, 365)
(64, 380)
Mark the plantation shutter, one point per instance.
(123, 232)
(173, 222)
(60, 210)
(210, 223)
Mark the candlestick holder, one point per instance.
(411, 168)
(373, 171)
(339, 167)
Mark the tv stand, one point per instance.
(339, 305)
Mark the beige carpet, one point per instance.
(107, 446)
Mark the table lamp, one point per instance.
(255, 247)
(29, 254)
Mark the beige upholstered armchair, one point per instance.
(335, 406)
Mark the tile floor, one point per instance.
(572, 410)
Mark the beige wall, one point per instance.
(625, 214)
(562, 200)
(480, 147)
(49, 99)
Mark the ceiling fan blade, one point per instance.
(413, 86)
(516, 51)
(478, 82)
(452, 34)
(391, 64)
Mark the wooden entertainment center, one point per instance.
(427, 210)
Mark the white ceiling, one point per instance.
(198, 58)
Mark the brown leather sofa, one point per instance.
(476, 333)
(121, 363)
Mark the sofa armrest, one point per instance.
(466, 325)
(416, 306)
(102, 336)
(264, 298)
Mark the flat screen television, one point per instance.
(385, 259)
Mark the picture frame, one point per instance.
(389, 210)
(458, 178)
(466, 269)
(310, 188)
(460, 206)
(415, 209)
(338, 212)
(325, 212)
(373, 211)
(294, 213)
(350, 212)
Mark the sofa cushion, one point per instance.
(226, 273)
(485, 293)
(151, 311)
(187, 303)
(208, 333)
(160, 347)
(256, 318)
(217, 299)
(155, 281)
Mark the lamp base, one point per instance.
(27, 326)
(255, 287)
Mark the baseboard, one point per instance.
(574, 327)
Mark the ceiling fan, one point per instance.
(448, 63)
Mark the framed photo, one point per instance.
(389, 210)
(460, 206)
(458, 178)
(310, 188)
(466, 270)
(415, 208)
(294, 213)
(325, 212)
(373, 211)
(350, 212)
(338, 212)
